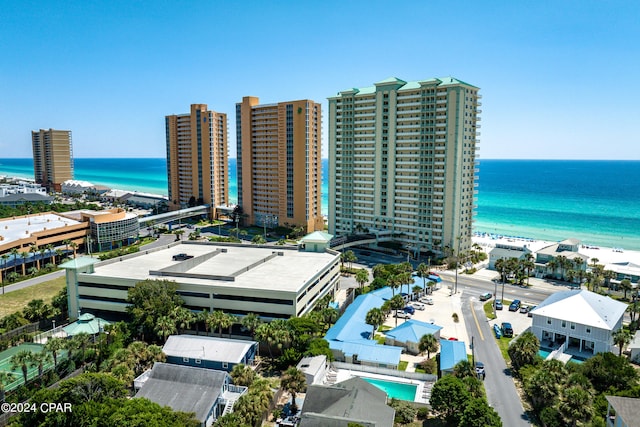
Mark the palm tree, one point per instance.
(553, 265)
(34, 251)
(51, 251)
(258, 239)
(394, 283)
(362, 277)
(293, 381)
(423, 272)
(464, 369)
(428, 343)
(5, 377)
(4, 257)
(622, 337)
(39, 360)
(625, 285)
(74, 246)
(375, 317)
(183, 318)
(251, 322)
(608, 276)
(264, 333)
(576, 405)
(165, 326)
(415, 291)
(80, 342)
(24, 256)
(14, 253)
(20, 360)
(634, 309)
(528, 265)
(229, 321)
(397, 303)
(216, 321)
(54, 345)
(242, 375)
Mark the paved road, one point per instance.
(33, 281)
(501, 391)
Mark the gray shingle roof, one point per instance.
(184, 388)
(354, 400)
(626, 408)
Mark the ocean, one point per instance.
(597, 202)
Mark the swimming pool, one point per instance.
(544, 354)
(401, 391)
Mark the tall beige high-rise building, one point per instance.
(197, 158)
(279, 162)
(402, 162)
(52, 157)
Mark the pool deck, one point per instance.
(423, 388)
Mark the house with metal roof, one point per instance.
(352, 401)
(580, 322)
(451, 353)
(209, 352)
(408, 334)
(207, 393)
(350, 337)
(503, 251)
(567, 248)
(623, 411)
(314, 368)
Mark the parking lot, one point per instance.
(519, 321)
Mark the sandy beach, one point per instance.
(602, 254)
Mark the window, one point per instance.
(564, 323)
(225, 365)
(185, 359)
(573, 325)
(198, 361)
(548, 321)
(588, 330)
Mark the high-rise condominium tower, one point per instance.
(402, 160)
(197, 158)
(52, 157)
(279, 164)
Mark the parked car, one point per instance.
(498, 304)
(515, 305)
(524, 309)
(409, 309)
(418, 306)
(480, 372)
(486, 296)
(507, 330)
(529, 314)
(403, 315)
(426, 300)
(453, 339)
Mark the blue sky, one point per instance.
(559, 79)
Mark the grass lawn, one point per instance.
(488, 310)
(402, 366)
(17, 300)
(503, 344)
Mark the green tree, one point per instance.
(542, 388)
(622, 337)
(54, 345)
(375, 317)
(423, 273)
(183, 318)
(625, 285)
(464, 369)
(242, 375)
(165, 326)
(428, 343)
(37, 310)
(362, 277)
(39, 360)
(524, 350)
(293, 381)
(148, 301)
(478, 413)
(250, 322)
(396, 303)
(606, 370)
(5, 377)
(258, 239)
(21, 360)
(576, 405)
(449, 397)
(405, 413)
(349, 257)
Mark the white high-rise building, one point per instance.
(402, 160)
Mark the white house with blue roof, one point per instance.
(409, 333)
(350, 337)
(451, 353)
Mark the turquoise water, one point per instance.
(597, 202)
(544, 353)
(395, 390)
